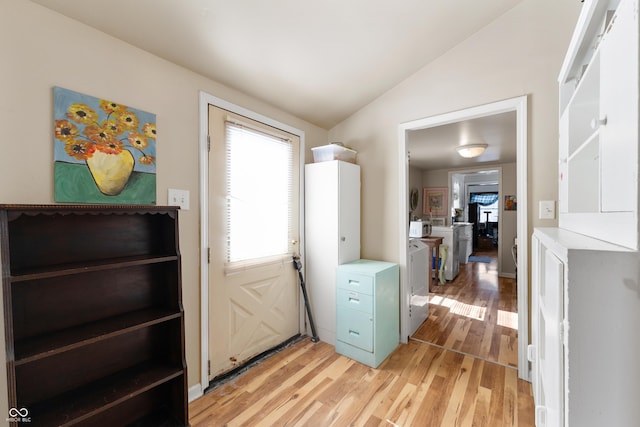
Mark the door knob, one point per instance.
(596, 123)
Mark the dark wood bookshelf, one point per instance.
(94, 322)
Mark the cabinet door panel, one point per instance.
(349, 217)
(619, 104)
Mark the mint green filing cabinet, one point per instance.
(367, 310)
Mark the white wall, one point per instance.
(518, 54)
(41, 49)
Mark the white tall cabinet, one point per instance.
(585, 312)
(332, 235)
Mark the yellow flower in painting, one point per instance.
(78, 149)
(150, 130)
(128, 120)
(111, 107)
(97, 134)
(112, 146)
(112, 127)
(81, 113)
(65, 130)
(146, 159)
(138, 141)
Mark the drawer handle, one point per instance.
(354, 333)
(354, 300)
(354, 282)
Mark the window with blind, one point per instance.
(488, 203)
(259, 197)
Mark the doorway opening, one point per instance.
(519, 106)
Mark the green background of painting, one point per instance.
(74, 183)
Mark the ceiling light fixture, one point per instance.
(471, 150)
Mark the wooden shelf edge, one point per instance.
(87, 267)
(79, 405)
(30, 350)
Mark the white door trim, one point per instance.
(205, 100)
(519, 105)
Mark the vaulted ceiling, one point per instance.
(318, 60)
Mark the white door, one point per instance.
(253, 233)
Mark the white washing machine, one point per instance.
(418, 266)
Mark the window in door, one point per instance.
(259, 196)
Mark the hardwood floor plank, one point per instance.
(354, 406)
(387, 399)
(428, 413)
(401, 408)
(382, 385)
(526, 407)
(510, 399)
(481, 414)
(455, 409)
(493, 379)
(469, 401)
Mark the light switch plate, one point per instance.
(547, 209)
(178, 198)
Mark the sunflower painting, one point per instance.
(104, 152)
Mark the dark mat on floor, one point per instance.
(474, 258)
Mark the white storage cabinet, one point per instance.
(585, 275)
(368, 310)
(585, 343)
(598, 169)
(332, 235)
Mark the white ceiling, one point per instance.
(434, 148)
(318, 60)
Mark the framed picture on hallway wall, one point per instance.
(434, 200)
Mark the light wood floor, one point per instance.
(476, 313)
(420, 384)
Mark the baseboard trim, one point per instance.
(507, 275)
(195, 392)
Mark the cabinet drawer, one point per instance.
(355, 328)
(355, 282)
(355, 300)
